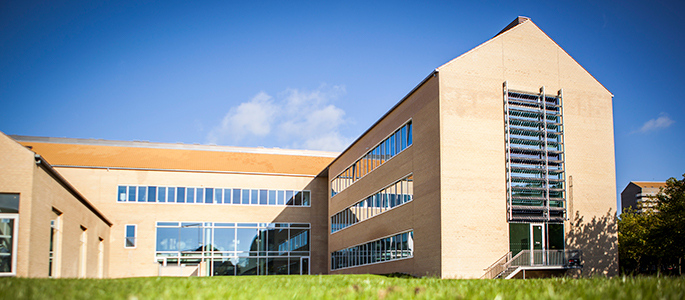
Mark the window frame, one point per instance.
(135, 236)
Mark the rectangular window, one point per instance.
(217, 195)
(161, 194)
(151, 193)
(255, 197)
(130, 236)
(306, 198)
(122, 194)
(190, 195)
(132, 194)
(181, 195)
(199, 195)
(142, 192)
(172, 194)
(246, 197)
(236, 196)
(263, 197)
(289, 198)
(272, 197)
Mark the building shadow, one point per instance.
(598, 239)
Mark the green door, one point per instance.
(538, 244)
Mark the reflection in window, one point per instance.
(162, 194)
(130, 236)
(392, 196)
(385, 150)
(395, 247)
(235, 249)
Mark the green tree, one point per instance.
(634, 251)
(654, 241)
(669, 231)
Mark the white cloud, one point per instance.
(663, 121)
(252, 118)
(296, 118)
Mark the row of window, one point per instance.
(164, 194)
(251, 239)
(396, 194)
(391, 146)
(395, 247)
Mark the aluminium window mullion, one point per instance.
(546, 151)
(508, 146)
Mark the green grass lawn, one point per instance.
(341, 287)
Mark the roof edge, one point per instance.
(517, 21)
(40, 161)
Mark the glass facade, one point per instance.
(394, 195)
(207, 195)
(236, 248)
(399, 246)
(388, 148)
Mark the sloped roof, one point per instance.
(134, 155)
(510, 28)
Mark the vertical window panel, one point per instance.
(151, 193)
(171, 192)
(161, 194)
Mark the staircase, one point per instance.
(507, 266)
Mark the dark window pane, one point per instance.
(306, 198)
(298, 199)
(236, 196)
(132, 193)
(181, 195)
(151, 193)
(9, 203)
(409, 134)
(209, 195)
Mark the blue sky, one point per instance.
(315, 75)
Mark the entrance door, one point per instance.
(537, 247)
(304, 266)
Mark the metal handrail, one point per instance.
(497, 268)
(534, 258)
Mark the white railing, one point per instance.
(535, 258)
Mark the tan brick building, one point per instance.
(500, 162)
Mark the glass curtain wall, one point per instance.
(236, 248)
(392, 196)
(384, 151)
